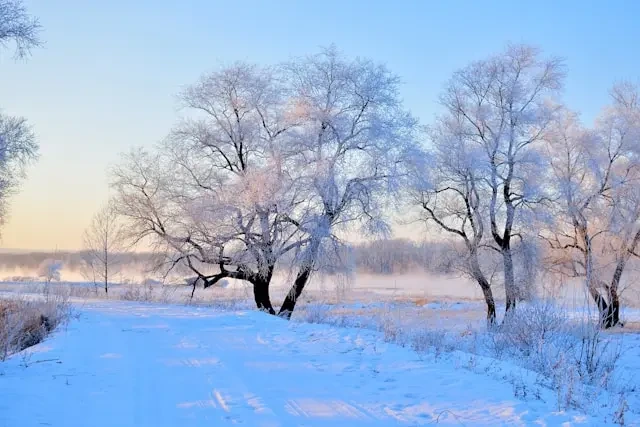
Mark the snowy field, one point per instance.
(131, 364)
(353, 355)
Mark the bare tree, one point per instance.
(216, 195)
(17, 27)
(268, 163)
(349, 146)
(104, 243)
(596, 180)
(447, 184)
(505, 109)
(18, 146)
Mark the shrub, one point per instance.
(569, 354)
(138, 293)
(315, 313)
(24, 323)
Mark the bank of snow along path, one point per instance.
(122, 364)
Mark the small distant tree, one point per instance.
(104, 243)
(50, 270)
(17, 27)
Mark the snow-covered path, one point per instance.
(123, 364)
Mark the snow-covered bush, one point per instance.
(150, 291)
(138, 293)
(530, 327)
(427, 340)
(542, 334)
(148, 282)
(315, 313)
(571, 355)
(595, 356)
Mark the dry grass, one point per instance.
(26, 322)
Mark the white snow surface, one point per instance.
(133, 364)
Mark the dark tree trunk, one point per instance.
(260, 281)
(261, 295)
(612, 316)
(479, 276)
(106, 268)
(511, 296)
(603, 307)
(488, 299)
(289, 303)
(608, 313)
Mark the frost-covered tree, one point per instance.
(104, 243)
(268, 163)
(447, 184)
(50, 270)
(18, 28)
(349, 145)
(504, 107)
(216, 195)
(596, 178)
(18, 145)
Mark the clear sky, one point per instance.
(107, 77)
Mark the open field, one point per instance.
(375, 354)
(131, 364)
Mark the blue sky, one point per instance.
(107, 77)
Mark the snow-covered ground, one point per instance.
(133, 364)
(126, 363)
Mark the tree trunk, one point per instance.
(289, 303)
(601, 303)
(261, 296)
(511, 295)
(613, 312)
(479, 276)
(604, 308)
(106, 268)
(612, 315)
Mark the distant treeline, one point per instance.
(72, 260)
(392, 256)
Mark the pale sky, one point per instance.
(107, 77)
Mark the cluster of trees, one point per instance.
(510, 163)
(270, 165)
(399, 256)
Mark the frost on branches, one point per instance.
(597, 210)
(266, 167)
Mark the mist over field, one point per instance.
(379, 271)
